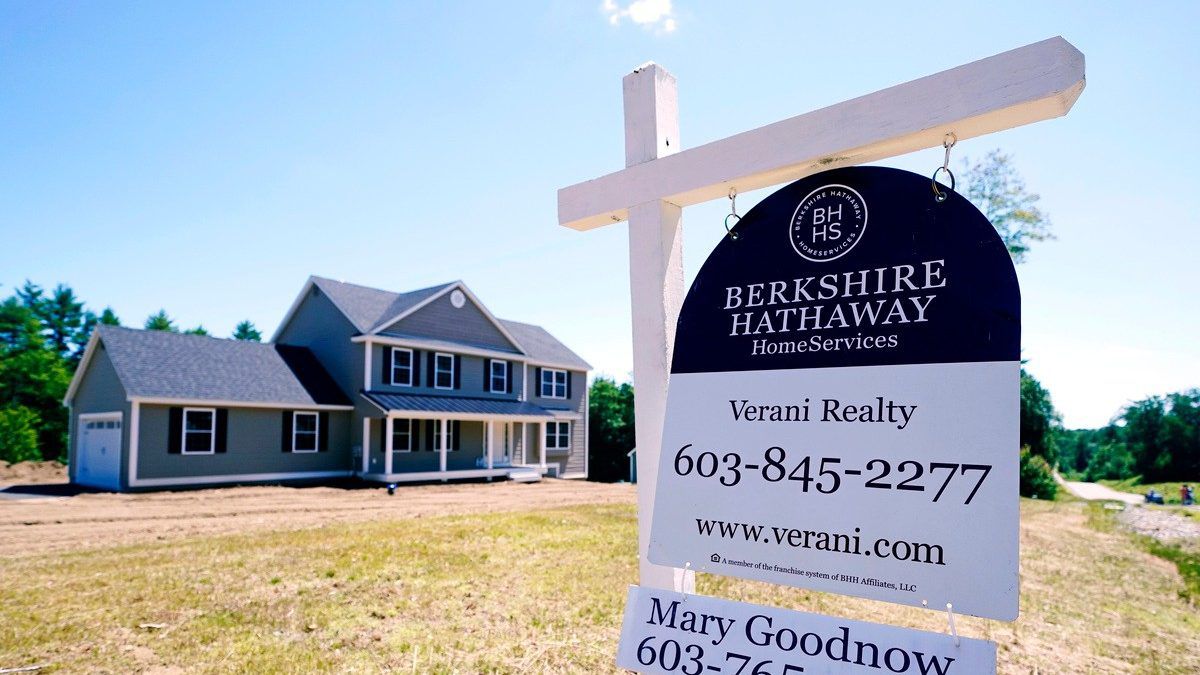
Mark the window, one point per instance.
(498, 377)
(434, 442)
(402, 367)
(305, 431)
(402, 436)
(554, 383)
(558, 435)
(199, 431)
(443, 371)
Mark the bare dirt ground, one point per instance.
(32, 473)
(33, 526)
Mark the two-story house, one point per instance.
(357, 381)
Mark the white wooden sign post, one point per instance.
(1022, 86)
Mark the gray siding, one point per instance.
(320, 326)
(472, 382)
(442, 320)
(254, 445)
(99, 391)
(575, 460)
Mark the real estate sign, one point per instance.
(843, 403)
(666, 632)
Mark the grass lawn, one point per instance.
(1169, 491)
(515, 593)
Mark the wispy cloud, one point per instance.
(654, 14)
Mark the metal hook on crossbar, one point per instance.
(948, 142)
(732, 214)
(950, 618)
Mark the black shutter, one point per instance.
(222, 429)
(386, 376)
(487, 375)
(174, 430)
(287, 431)
(414, 430)
(323, 432)
(537, 380)
(508, 368)
(430, 374)
(457, 432)
(568, 383)
(457, 371)
(430, 432)
(416, 369)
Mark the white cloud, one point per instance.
(656, 14)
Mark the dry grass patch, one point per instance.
(515, 593)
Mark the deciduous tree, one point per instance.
(994, 186)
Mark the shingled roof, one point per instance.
(163, 365)
(369, 309)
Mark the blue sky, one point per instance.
(207, 157)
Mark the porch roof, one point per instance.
(455, 405)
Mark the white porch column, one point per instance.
(487, 435)
(366, 445)
(542, 444)
(387, 444)
(656, 291)
(445, 437)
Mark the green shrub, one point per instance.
(18, 435)
(1037, 478)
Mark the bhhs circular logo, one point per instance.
(828, 223)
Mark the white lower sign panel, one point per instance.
(667, 632)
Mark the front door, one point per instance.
(500, 444)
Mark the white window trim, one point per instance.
(212, 432)
(392, 367)
(395, 422)
(437, 435)
(437, 371)
(542, 385)
(503, 377)
(316, 431)
(555, 436)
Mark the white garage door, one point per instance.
(99, 457)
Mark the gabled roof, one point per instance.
(372, 311)
(367, 307)
(175, 366)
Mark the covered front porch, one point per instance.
(424, 438)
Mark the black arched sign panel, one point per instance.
(843, 406)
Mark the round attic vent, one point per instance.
(457, 298)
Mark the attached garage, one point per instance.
(98, 455)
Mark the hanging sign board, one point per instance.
(843, 403)
(666, 632)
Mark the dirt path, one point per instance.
(31, 526)
(1092, 491)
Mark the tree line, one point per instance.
(43, 334)
(1156, 438)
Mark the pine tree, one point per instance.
(198, 330)
(62, 320)
(247, 331)
(160, 321)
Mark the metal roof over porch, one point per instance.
(456, 405)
